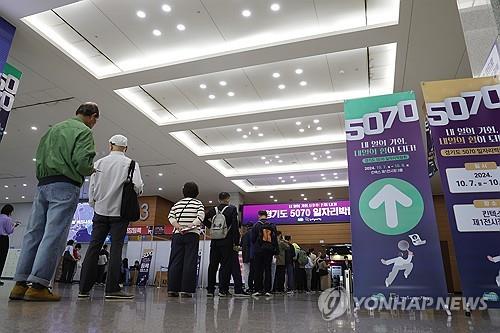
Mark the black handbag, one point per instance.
(130, 210)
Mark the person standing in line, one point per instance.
(101, 269)
(325, 279)
(239, 287)
(105, 196)
(7, 227)
(309, 268)
(64, 157)
(104, 275)
(186, 216)
(67, 262)
(279, 280)
(248, 255)
(264, 238)
(314, 272)
(222, 250)
(78, 257)
(289, 265)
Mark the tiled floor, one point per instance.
(152, 311)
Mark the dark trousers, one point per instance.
(279, 278)
(315, 280)
(4, 249)
(183, 262)
(300, 278)
(290, 276)
(263, 277)
(251, 276)
(220, 255)
(102, 226)
(236, 274)
(68, 270)
(101, 274)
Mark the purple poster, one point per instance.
(464, 116)
(300, 213)
(395, 241)
(8, 81)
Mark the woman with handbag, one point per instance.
(68, 263)
(186, 217)
(324, 274)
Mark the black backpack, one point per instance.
(268, 239)
(130, 210)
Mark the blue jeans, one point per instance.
(53, 208)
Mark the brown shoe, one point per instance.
(18, 292)
(41, 295)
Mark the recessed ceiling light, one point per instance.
(298, 123)
(267, 162)
(203, 86)
(6, 198)
(255, 128)
(281, 86)
(262, 157)
(302, 194)
(292, 177)
(324, 178)
(230, 94)
(34, 160)
(283, 181)
(315, 158)
(280, 161)
(329, 157)
(305, 199)
(329, 193)
(301, 130)
(239, 130)
(294, 180)
(211, 96)
(280, 178)
(223, 83)
(24, 185)
(160, 188)
(261, 134)
(22, 197)
(312, 153)
(245, 136)
(34, 128)
(319, 128)
(160, 174)
(303, 83)
(140, 14)
(210, 201)
(316, 121)
(275, 7)
(271, 197)
(277, 156)
(6, 186)
(181, 27)
(331, 198)
(4, 132)
(336, 177)
(86, 180)
(246, 13)
(275, 200)
(341, 72)
(327, 152)
(166, 8)
(156, 32)
(299, 71)
(276, 75)
(322, 175)
(335, 173)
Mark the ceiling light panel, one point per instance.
(312, 177)
(247, 186)
(125, 43)
(277, 134)
(255, 90)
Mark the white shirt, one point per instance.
(106, 185)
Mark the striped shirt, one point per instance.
(192, 212)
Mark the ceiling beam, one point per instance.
(312, 46)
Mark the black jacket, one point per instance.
(256, 233)
(233, 234)
(246, 246)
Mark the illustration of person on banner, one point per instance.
(399, 263)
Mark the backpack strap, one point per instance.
(223, 209)
(131, 169)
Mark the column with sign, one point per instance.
(394, 235)
(464, 116)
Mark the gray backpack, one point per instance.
(219, 229)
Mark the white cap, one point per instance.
(119, 140)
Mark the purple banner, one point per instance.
(464, 116)
(395, 241)
(8, 84)
(300, 213)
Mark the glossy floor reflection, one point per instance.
(153, 311)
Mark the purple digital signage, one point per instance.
(464, 116)
(7, 31)
(395, 240)
(300, 213)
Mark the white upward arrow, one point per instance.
(389, 196)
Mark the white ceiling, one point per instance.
(198, 138)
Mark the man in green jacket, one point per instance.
(64, 157)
